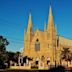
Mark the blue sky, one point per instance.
(14, 18)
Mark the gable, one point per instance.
(38, 35)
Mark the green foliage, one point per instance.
(10, 55)
(16, 56)
(3, 55)
(66, 55)
(6, 56)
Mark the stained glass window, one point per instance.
(37, 45)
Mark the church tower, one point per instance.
(27, 37)
(51, 35)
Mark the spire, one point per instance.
(29, 23)
(51, 28)
(50, 19)
(24, 31)
(45, 26)
(56, 28)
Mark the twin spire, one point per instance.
(50, 21)
(29, 23)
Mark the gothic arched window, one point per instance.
(37, 45)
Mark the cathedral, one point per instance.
(44, 46)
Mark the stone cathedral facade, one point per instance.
(44, 45)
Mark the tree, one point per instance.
(10, 56)
(3, 44)
(3, 55)
(66, 55)
(16, 56)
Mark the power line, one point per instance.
(16, 42)
(10, 37)
(6, 22)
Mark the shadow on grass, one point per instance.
(60, 69)
(57, 69)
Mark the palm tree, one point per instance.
(66, 55)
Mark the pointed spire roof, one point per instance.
(56, 28)
(29, 23)
(45, 26)
(24, 30)
(50, 19)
